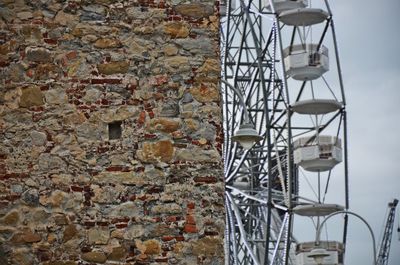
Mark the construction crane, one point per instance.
(398, 230)
(383, 256)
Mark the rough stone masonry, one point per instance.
(111, 134)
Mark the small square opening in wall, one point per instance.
(114, 130)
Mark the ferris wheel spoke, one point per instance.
(247, 247)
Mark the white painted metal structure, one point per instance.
(334, 253)
(281, 75)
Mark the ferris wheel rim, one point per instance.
(276, 132)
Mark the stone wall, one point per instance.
(110, 145)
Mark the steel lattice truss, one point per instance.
(383, 256)
(262, 184)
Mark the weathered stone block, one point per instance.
(38, 55)
(213, 111)
(97, 257)
(206, 93)
(98, 236)
(92, 95)
(170, 50)
(149, 247)
(197, 154)
(195, 10)
(56, 96)
(156, 151)
(210, 66)
(167, 208)
(128, 178)
(208, 246)
(32, 33)
(3, 256)
(106, 194)
(107, 43)
(16, 72)
(113, 68)
(6, 233)
(37, 216)
(24, 15)
(30, 197)
(117, 254)
(206, 132)
(138, 47)
(31, 96)
(178, 63)
(137, 12)
(177, 29)
(60, 219)
(153, 247)
(12, 219)
(127, 209)
(201, 46)
(73, 119)
(93, 12)
(113, 114)
(163, 125)
(191, 125)
(38, 138)
(48, 162)
(84, 29)
(169, 109)
(134, 231)
(26, 236)
(22, 256)
(9, 46)
(69, 232)
(144, 30)
(58, 262)
(56, 199)
(161, 230)
(89, 131)
(65, 19)
(78, 68)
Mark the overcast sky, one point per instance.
(368, 35)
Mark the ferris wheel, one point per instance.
(285, 147)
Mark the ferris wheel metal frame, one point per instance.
(262, 183)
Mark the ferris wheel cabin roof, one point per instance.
(317, 209)
(316, 106)
(303, 16)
